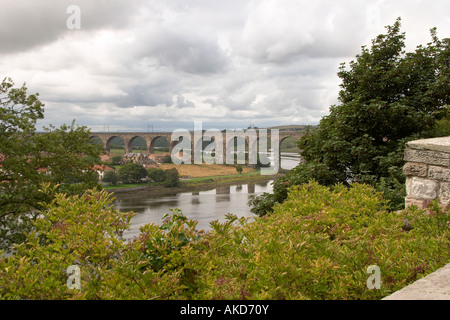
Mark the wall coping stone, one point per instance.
(441, 144)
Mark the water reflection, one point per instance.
(204, 206)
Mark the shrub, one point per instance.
(168, 178)
(318, 244)
(156, 175)
(172, 178)
(73, 230)
(132, 173)
(116, 160)
(110, 177)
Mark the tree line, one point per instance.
(133, 173)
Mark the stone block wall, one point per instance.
(427, 171)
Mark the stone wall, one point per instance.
(427, 171)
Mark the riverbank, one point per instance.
(198, 183)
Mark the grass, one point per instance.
(224, 179)
(205, 170)
(203, 175)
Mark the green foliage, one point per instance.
(132, 173)
(239, 169)
(162, 244)
(72, 230)
(387, 98)
(110, 177)
(172, 178)
(70, 158)
(156, 175)
(318, 244)
(116, 160)
(168, 178)
(63, 157)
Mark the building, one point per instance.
(138, 158)
(101, 169)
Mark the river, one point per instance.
(203, 206)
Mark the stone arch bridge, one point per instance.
(173, 138)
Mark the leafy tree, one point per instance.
(70, 158)
(172, 178)
(239, 169)
(387, 98)
(156, 175)
(63, 157)
(110, 177)
(132, 173)
(116, 160)
(168, 178)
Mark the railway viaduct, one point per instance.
(173, 138)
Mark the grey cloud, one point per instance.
(182, 50)
(27, 24)
(182, 102)
(313, 29)
(146, 95)
(222, 61)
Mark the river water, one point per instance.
(203, 206)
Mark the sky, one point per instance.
(135, 65)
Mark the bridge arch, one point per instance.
(153, 140)
(108, 142)
(97, 140)
(132, 140)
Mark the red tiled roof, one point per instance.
(102, 167)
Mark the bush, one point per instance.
(116, 160)
(172, 178)
(132, 173)
(77, 230)
(318, 244)
(110, 177)
(168, 178)
(156, 175)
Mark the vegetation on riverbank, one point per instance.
(196, 184)
(318, 244)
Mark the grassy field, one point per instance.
(200, 177)
(205, 170)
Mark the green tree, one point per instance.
(63, 157)
(172, 178)
(156, 175)
(387, 98)
(239, 169)
(110, 177)
(116, 160)
(132, 173)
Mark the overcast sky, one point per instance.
(163, 64)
